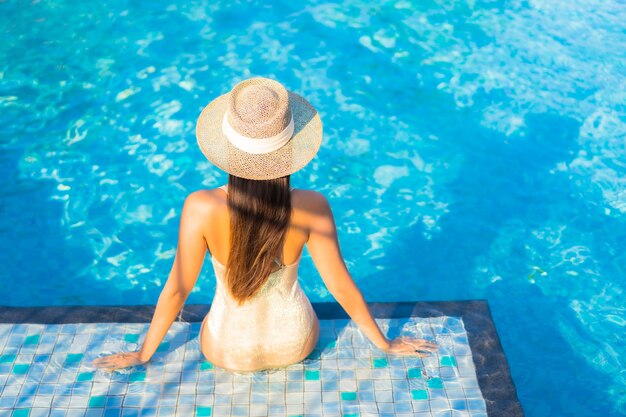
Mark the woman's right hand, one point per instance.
(118, 361)
(409, 346)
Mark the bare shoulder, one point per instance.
(312, 212)
(205, 199)
(202, 204)
(310, 202)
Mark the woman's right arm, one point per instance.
(323, 244)
(187, 264)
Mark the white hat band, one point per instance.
(257, 145)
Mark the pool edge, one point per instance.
(492, 369)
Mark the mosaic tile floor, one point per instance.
(45, 371)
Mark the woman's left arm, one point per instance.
(190, 255)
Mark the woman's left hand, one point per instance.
(118, 361)
(405, 345)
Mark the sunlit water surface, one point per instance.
(472, 149)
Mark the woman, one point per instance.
(255, 230)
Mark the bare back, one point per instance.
(303, 215)
(277, 326)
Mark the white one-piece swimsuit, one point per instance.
(271, 328)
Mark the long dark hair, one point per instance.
(260, 211)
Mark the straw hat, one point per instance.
(259, 130)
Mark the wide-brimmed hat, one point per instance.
(259, 130)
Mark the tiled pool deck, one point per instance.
(45, 369)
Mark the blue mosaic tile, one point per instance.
(137, 377)
(163, 347)
(21, 368)
(97, 401)
(47, 372)
(348, 396)
(435, 383)
(74, 358)
(85, 376)
(113, 412)
(448, 361)
(312, 375)
(379, 362)
(419, 394)
(32, 339)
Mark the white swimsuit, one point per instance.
(268, 330)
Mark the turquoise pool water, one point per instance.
(472, 149)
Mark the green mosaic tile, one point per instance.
(448, 361)
(348, 396)
(74, 357)
(7, 358)
(419, 394)
(163, 347)
(204, 366)
(20, 368)
(379, 362)
(351, 415)
(84, 376)
(415, 373)
(22, 412)
(435, 383)
(32, 339)
(203, 411)
(137, 377)
(311, 375)
(131, 338)
(97, 401)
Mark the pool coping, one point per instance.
(492, 369)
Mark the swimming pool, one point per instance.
(472, 150)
